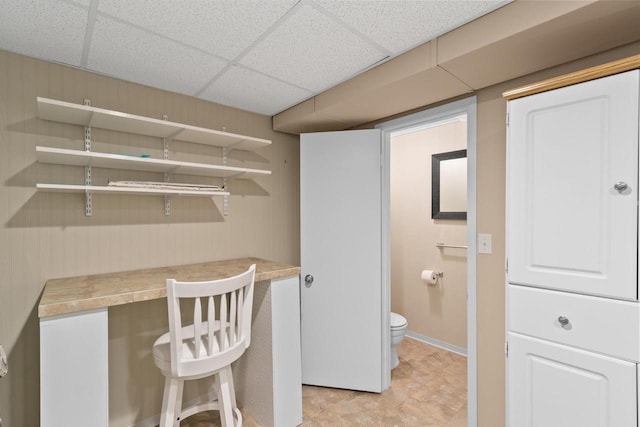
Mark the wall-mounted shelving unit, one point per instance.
(88, 116)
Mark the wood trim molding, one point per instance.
(581, 76)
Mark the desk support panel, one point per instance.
(74, 378)
(268, 376)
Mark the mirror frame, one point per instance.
(435, 185)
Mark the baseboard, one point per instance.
(155, 420)
(437, 343)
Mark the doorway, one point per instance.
(428, 179)
(465, 108)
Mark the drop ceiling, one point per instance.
(257, 55)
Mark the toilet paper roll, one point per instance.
(429, 277)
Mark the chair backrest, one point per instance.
(220, 332)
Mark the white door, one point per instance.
(340, 210)
(551, 385)
(573, 188)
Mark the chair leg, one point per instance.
(177, 415)
(232, 387)
(169, 397)
(234, 403)
(225, 399)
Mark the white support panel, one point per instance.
(268, 377)
(74, 380)
(287, 366)
(253, 372)
(62, 156)
(125, 190)
(67, 112)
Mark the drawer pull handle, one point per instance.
(563, 321)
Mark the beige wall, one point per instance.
(47, 235)
(435, 311)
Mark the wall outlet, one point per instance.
(484, 243)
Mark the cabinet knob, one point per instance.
(620, 186)
(563, 321)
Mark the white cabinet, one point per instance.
(573, 316)
(569, 228)
(553, 385)
(88, 116)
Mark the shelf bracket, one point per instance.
(167, 199)
(225, 198)
(167, 206)
(233, 146)
(87, 181)
(87, 169)
(165, 141)
(87, 102)
(176, 133)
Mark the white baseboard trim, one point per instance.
(437, 343)
(155, 420)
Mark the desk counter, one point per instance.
(73, 294)
(74, 342)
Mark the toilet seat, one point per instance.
(397, 321)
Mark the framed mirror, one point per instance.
(449, 185)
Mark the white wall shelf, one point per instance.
(64, 188)
(63, 156)
(85, 115)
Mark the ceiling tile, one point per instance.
(312, 51)
(46, 29)
(132, 54)
(245, 89)
(401, 25)
(223, 28)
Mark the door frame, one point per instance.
(425, 118)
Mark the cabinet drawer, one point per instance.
(602, 325)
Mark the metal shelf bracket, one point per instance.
(167, 199)
(87, 170)
(225, 198)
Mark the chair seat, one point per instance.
(162, 352)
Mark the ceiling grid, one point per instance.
(254, 55)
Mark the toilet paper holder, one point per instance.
(431, 277)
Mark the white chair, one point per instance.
(206, 347)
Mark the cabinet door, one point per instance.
(551, 385)
(569, 228)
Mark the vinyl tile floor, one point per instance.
(428, 389)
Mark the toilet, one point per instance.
(398, 329)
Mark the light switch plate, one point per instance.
(484, 243)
